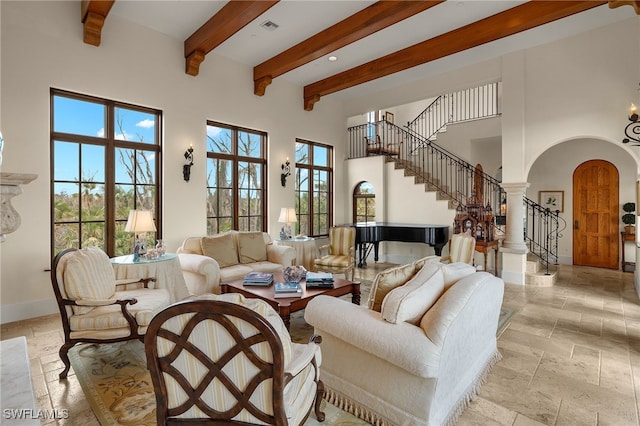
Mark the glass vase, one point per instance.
(161, 248)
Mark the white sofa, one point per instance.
(424, 368)
(208, 261)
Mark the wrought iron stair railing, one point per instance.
(455, 178)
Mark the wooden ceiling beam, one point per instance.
(633, 3)
(92, 14)
(233, 16)
(357, 26)
(520, 18)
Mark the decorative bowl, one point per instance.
(294, 274)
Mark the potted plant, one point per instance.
(629, 217)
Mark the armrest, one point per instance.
(283, 255)
(127, 281)
(96, 302)
(205, 269)
(324, 248)
(403, 344)
(302, 359)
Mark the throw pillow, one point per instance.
(251, 247)
(386, 281)
(420, 262)
(410, 302)
(88, 275)
(453, 272)
(221, 248)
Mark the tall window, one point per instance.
(364, 203)
(105, 161)
(236, 178)
(313, 188)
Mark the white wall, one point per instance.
(42, 47)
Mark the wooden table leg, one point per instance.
(355, 294)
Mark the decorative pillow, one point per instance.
(410, 302)
(420, 262)
(221, 248)
(252, 247)
(453, 272)
(88, 275)
(386, 281)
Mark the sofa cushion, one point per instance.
(221, 248)
(453, 272)
(386, 281)
(251, 247)
(410, 301)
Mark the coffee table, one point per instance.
(285, 306)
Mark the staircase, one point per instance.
(413, 149)
(536, 275)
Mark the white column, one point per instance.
(514, 171)
(514, 249)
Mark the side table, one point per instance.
(485, 247)
(626, 237)
(306, 250)
(165, 269)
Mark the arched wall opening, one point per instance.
(553, 170)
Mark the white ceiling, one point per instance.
(300, 19)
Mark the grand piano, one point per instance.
(369, 235)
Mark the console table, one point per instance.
(627, 237)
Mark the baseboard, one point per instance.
(22, 311)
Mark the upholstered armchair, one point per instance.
(341, 252)
(461, 248)
(222, 359)
(91, 308)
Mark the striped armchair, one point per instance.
(461, 248)
(341, 252)
(223, 359)
(91, 309)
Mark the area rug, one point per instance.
(117, 385)
(504, 319)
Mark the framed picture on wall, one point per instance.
(553, 200)
(388, 117)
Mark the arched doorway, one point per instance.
(596, 186)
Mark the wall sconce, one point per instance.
(632, 128)
(286, 172)
(186, 169)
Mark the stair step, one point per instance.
(540, 279)
(535, 274)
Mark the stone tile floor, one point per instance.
(571, 356)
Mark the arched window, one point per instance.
(364, 203)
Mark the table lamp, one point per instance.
(140, 222)
(287, 216)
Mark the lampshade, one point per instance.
(287, 215)
(140, 221)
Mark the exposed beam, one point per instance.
(520, 18)
(92, 14)
(357, 26)
(633, 3)
(233, 16)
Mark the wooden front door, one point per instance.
(595, 214)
